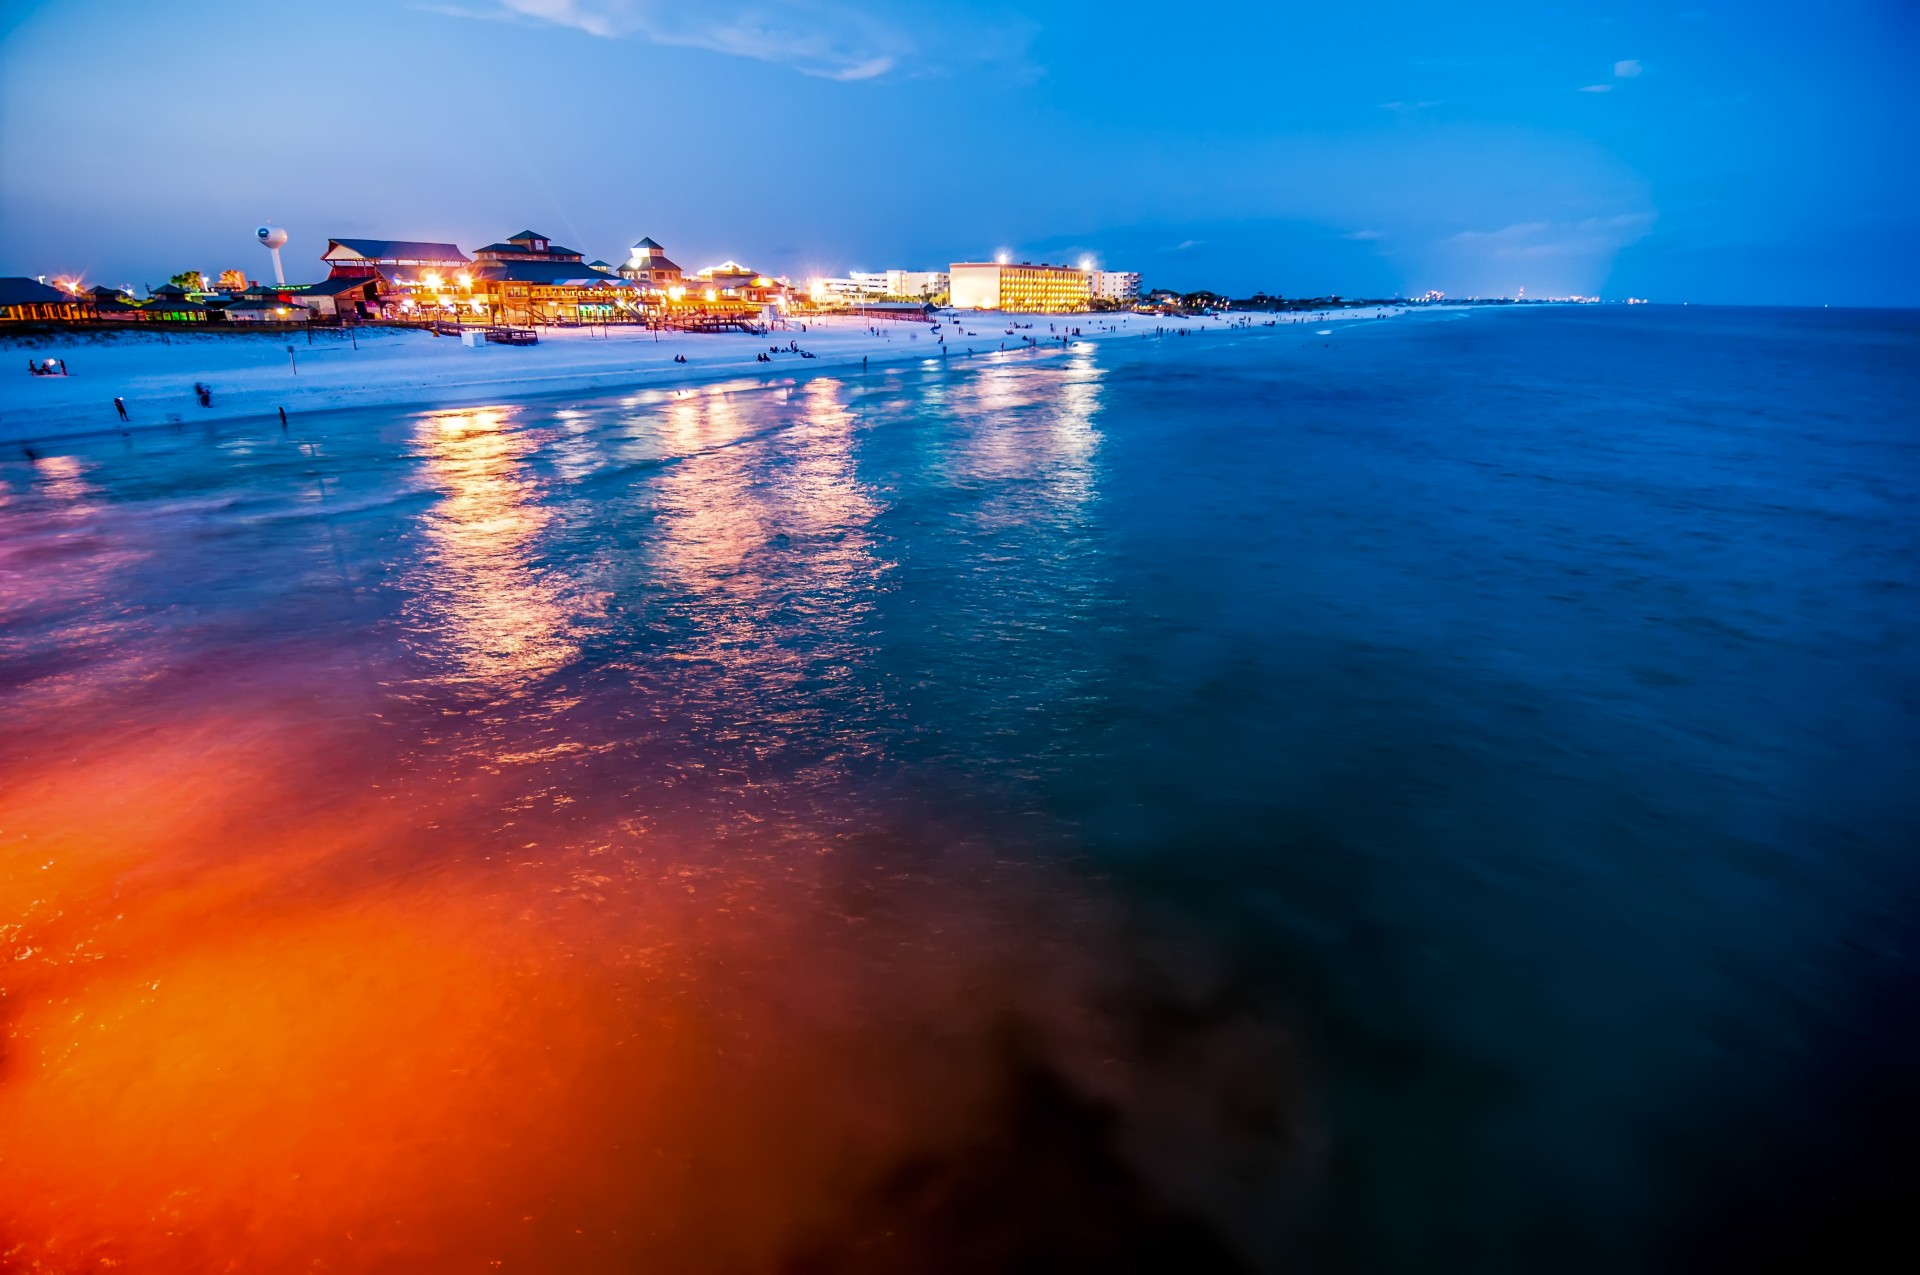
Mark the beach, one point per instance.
(253, 375)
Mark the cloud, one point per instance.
(1538, 240)
(1411, 106)
(1628, 69)
(1598, 88)
(1517, 231)
(1363, 236)
(831, 39)
(1185, 244)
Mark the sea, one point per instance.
(1430, 794)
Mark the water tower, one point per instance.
(271, 237)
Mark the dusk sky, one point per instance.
(1723, 152)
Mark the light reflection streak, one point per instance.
(64, 559)
(1029, 424)
(482, 601)
(769, 555)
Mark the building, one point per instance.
(529, 279)
(25, 300)
(916, 284)
(115, 305)
(397, 261)
(850, 290)
(857, 287)
(732, 280)
(172, 302)
(1116, 285)
(649, 267)
(350, 300)
(267, 310)
(528, 245)
(1020, 287)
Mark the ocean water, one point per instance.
(1433, 794)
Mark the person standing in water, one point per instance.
(120, 406)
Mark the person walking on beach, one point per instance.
(120, 406)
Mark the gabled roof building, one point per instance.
(389, 258)
(527, 278)
(650, 267)
(528, 245)
(22, 298)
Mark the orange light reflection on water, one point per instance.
(251, 1026)
(483, 605)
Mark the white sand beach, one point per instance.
(253, 375)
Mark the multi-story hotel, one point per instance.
(916, 284)
(1019, 286)
(1116, 285)
(875, 285)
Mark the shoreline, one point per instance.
(409, 370)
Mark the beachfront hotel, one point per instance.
(1021, 287)
(860, 286)
(1116, 285)
(919, 284)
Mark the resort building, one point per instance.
(848, 290)
(528, 279)
(114, 305)
(1021, 287)
(171, 302)
(351, 300)
(916, 283)
(266, 310)
(860, 286)
(732, 280)
(1116, 285)
(399, 261)
(528, 245)
(25, 300)
(649, 267)
(398, 266)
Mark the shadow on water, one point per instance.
(1040, 1186)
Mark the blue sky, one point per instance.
(1711, 152)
